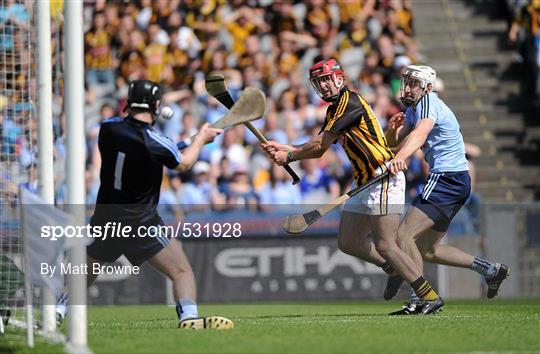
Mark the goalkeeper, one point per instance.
(133, 155)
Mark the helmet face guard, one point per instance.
(414, 83)
(412, 90)
(144, 95)
(327, 79)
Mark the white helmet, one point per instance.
(416, 75)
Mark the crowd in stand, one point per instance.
(524, 32)
(269, 45)
(266, 44)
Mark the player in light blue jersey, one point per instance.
(429, 124)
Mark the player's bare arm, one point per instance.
(271, 147)
(191, 153)
(313, 149)
(414, 141)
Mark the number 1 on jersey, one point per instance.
(118, 170)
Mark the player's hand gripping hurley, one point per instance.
(215, 85)
(295, 224)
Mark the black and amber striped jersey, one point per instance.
(351, 118)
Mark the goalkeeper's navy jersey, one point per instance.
(133, 155)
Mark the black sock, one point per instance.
(387, 268)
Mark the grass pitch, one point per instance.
(337, 327)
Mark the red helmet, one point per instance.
(327, 71)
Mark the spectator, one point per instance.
(92, 151)
(356, 37)
(384, 107)
(473, 203)
(170, 198)
(400, 63)
(13, 18)
(272, 130)
(224, 175)
(241, 24)
(279, 190)
(240, 193)
(185, 38)
(189, 126)
(317, 186)
(98, 54)
(231, 149)
(201, 194)
(282, 18)
(155, 54)
(318, 21)
(527, 21)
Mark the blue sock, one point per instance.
(61, 305)
(483, 267)
(414, 298)
(186, 308)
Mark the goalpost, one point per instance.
(26, 157)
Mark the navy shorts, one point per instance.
(136, 249)
(443, 195)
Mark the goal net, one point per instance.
(17, 146)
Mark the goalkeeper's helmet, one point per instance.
(327, 79)
(144, 95)
(414, 83)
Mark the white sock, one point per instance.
(186, 308)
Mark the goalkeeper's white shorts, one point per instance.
(387, 197)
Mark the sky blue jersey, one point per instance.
(444, 149)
